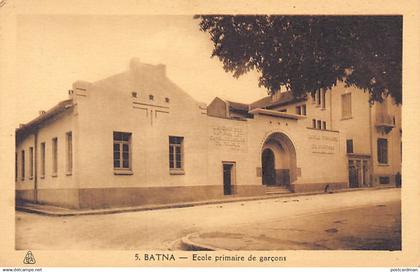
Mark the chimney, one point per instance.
(41, 112)
(81, 85)
(161, 69)
(21, 125)
(135, 64)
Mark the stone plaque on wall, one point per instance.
(298, 172)
(324, 143)
(259, 172)
(233, 138)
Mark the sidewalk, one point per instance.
(60, 211)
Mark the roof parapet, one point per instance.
(81, 85)
(275, 113)
(136, 66)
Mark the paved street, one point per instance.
(367, 219)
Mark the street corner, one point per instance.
(198, 242)
(229, 240)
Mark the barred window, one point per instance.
(383, 180)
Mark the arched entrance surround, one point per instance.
(278, 160)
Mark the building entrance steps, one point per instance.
(276, 190)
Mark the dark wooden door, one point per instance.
(353, 175)
(227, 179)
(268, 170)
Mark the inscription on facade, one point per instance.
(325, 144)
(229, 137)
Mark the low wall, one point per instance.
(95, 198)
(68, 198)
(24, 195)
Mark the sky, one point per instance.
(53, 51)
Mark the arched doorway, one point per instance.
(268, 167)
(278, 160)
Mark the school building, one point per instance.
(136, 138)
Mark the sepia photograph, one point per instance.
(208, 137)
(304, 153)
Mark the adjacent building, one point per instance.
(136, 138)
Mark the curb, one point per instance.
(43, 211)
(144, 208)
(193, 246)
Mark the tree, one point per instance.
(309, 53)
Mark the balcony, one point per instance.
(384, 122)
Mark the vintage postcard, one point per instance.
(209, 133)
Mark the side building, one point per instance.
(136, 138)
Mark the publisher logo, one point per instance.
(29, 258)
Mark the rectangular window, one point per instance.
(400, 151)
(301, 110)
(122, 150)
(31, 162)
(346, 105)
(313, 123)
(69, 155)
(323, 99)
(349, 144)
(54, 146)
(42, 151)
(22, 174)
(176, 150)
(318, 97)
(318, 122)
(324, 125)
(383, 180)
(16, 165)
(382, 150)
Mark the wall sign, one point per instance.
(232, 138)
(324, 144)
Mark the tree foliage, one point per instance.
(309, 53)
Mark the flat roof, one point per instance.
(277, 114)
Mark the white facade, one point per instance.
(180, 150)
